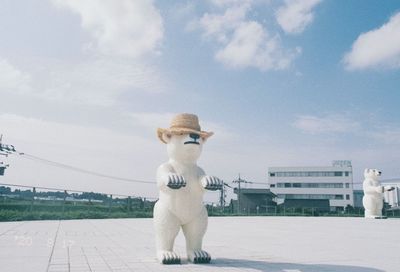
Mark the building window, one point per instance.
(310, 196)
(347, 185)
(272, 185)
(309, 185)
(309, 174)
(347, 197)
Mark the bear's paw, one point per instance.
(176, 181)
(211, 183)
(169, 257)
(199, 256)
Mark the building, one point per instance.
(254, 200)
(392, 197)
(334, 183)
(358, 197)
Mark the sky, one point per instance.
(280, 83)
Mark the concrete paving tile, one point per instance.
(278, 244)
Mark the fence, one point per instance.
(19, 202)
(298, 211)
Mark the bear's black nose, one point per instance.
(194, 136)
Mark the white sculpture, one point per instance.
(181, 186)
(373, 193)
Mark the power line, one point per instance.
(81, 170)
(89, 172)
(10, 149)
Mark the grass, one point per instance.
(18, 210)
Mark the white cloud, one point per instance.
(12, 79)
(388, 135)
(129, 28)
(243, 42)
(251, 46)
(377, 48)
(374, 133)
(219, 26)
(98, 81)
(123, 32)
(296, 15)
(221, 3)
(152, 120)
(328, 124)
(101, 81)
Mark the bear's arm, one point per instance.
(371, 189)
(162, 175)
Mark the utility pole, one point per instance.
(222, 196)
(239, 181)
(5, 150)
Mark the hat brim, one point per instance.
(178, 131)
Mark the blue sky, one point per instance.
(281, 83)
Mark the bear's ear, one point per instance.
(366, 170)
(166, 136)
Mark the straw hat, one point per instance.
(184, 123)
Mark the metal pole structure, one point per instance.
(109, 205)
(33, 198)
(129, 203)
(239, 182)
(222, 197)
(63, 205)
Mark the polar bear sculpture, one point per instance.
(373, 193)
(181, 186)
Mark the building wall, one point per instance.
(332, 182)
(250, 199)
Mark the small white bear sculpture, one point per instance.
(181, 186)
(373, 193)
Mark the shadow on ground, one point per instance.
(286, 267)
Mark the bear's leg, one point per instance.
(167, 226)
(379, 207)
(369, 206)
(368, 214)
(194, 232)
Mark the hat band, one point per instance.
(186, 127)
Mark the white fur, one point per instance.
(373, 193)
(181, 207)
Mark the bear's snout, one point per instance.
(194, 138)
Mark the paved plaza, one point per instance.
(276, 244)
